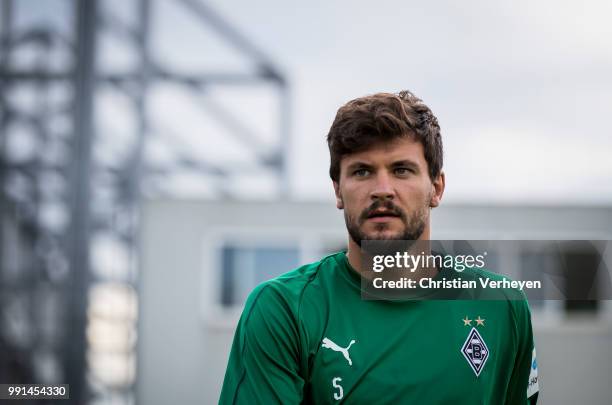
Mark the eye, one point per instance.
(402, 171)
(361, 172)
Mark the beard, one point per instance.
(413, 226)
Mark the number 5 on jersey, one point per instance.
(340, 393)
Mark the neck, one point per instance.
(356, 259)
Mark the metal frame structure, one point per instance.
(46, 274)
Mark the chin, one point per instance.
(384, 235)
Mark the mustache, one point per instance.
(389, 207)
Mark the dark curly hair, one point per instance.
(365, 121)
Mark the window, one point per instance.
(245, 267)
(581, 279)
(570, 268)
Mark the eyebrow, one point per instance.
(358, 165)
(399, 163)
(406, 162)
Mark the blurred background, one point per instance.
(160, 158)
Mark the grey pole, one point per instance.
(78, 238)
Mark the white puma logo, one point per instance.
(328, 344)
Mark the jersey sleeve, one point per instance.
(523, 387)
(263, 365)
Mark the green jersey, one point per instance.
(308, 337)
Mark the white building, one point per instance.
(191, 294)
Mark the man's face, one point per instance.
(386, 192)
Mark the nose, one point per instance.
(383, 187)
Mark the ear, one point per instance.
(438, 190)
(339, 202)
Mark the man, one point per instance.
(309, 337)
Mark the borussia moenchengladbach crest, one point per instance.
(475, 351)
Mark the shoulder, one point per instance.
(495, 286)
(286, 291)
(498, 287)
(273, 310)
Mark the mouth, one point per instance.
(382, 216)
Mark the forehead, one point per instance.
(398, 149)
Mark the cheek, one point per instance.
(416, 196)
(423, 188)
(352, 197)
